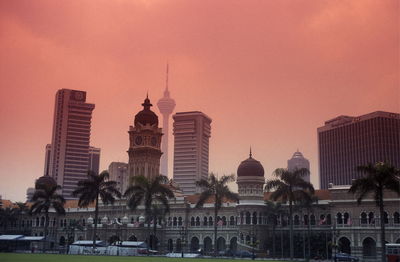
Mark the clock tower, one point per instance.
(144, 144)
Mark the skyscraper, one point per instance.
(346, 142)
(94, 159)
(69, 157)
(144, 144)
(119, 172)
(166, 106)
(192, 131)
(298, 161)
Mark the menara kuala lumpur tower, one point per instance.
(166, 106)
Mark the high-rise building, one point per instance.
(298, 161)
(94, 159)
(166, 106)
(119, 173)
(192, 131)
(144, 144)
(69, 157)
(346, 142)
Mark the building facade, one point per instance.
(192, 131)
(166, 106)
(144, 144)
(119, 172)
(347, 142)
(298, 161)
(94, 159)
(69, 157)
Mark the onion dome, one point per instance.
(104, 220)
(146, 116)
(90, 220)
(250, 167)
(45, 181)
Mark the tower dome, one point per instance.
(250, 167)
(146, 116)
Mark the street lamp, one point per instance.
(182, 233)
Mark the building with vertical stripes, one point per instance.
(69, 155)
(192, 131)
(346, 142)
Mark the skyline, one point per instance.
(267, 73)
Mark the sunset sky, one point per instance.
(268, 73)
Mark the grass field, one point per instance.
(10, 257)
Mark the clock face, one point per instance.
(154, 141)
(138, 140)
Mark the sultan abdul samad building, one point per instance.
(335, 218)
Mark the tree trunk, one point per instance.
(148, 238)
(309, 237)
(215, 229)
(96, 217)
(154, 232)
(46, 228)
(382, 214)
(291, 228)
(273, 241)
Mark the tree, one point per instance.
(7, 216)
(157, 213)
(44, 198)
(377, 178)
(95, 187)
(290, 186)
(274, 210)
(219, 190)
(70, 229)
(149, 191)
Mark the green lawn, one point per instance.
(10, 257)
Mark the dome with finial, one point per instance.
(250, 167)
(146, 116)
(45, 181)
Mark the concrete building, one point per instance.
(119, 172)
(298, 161)
(347, 142)
(166, 106)
(144, 144)
(69, 157)
(192, 131)
(94, 159)
(29, 193)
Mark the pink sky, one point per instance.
(267, 72)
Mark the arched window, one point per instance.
(224, 221)
(248, 218)
(363, 218)
(396, 218)
(180, 221)
(232, 221)
(192, 223)
(205, 220)
(369, 248)
(175, 223)
(296, 221)
(328, 219)
(254, 218)
(133, 220)
(312, 220)
(371, 218)
(322, 220)
(210, 221)
(339, 218)
(241, 217)
(346, 218)
(197, 221)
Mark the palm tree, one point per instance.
(148, 191)
(157, 213)
(219, 190)
(72, 226)
(44, 198)
(290, 186)
(95, 187)
(274, 210)
(377, 178)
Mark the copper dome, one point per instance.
(250, 167)
(146, 116)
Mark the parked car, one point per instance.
(345, 257)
